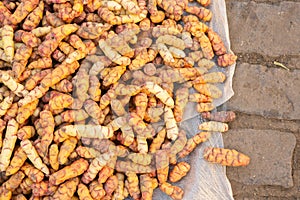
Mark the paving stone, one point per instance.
(271, 92)
(271, 156)
(269, 29)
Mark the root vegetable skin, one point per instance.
(83, 192)
(66, 149)
(160, 93)
(15, 87)
(182, 95)
(180, 170)
(132, 185)
(96, 165)
(57, 35)
(6, 104)
(214, 126)
(8, 43)
(175, 192)
(226, 60)
(75, 169)
(33, 156)
(53, 156)
(222, 116)
(96, 190)
(227, 157)
(67, 189)
(8, 144)
(146, 186)
(193, 142)
(43, 188)
(16, 162)
(33, 173)
(171, 124)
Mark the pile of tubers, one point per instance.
(82, 85)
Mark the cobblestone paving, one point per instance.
(267, 98)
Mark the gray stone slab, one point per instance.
(269, 29)
(271, 156)
(271, 92)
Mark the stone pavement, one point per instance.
(267, 98)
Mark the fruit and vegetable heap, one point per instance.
(82, 83)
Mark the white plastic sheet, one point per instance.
(205, 180)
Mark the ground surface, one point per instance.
(267, 98)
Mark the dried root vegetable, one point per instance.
(23, 9)
(180, 170)
(83, 192)
(53, 156)
(60, 101)
(43, 188)
(119, 192)
(182, 95)
(204, 107)
(140, 158)
(35, 79)
(14, 181)
(214, 126)
(5, 194)
(6, 104)
(200, 98)
(75, 169)
(177, 146)
(128, 166)
(96, 190)
(208, 90)
(7, 35)
(66, 149)
(193, 142)
(24, 112)
(227, 157)
(213, 77)
(160, 93)
(221, 116)
(171, 126)
(33, 156)
(54, 38)
(97, 164)
(66, 190)
(146, 186)
(33, 173)
(2, 127)
(63, 86)
(162, 165)
(226, 60)
(87, 152)
(174, 192)
(27, 38)
(89, 131)
(34, 18)
(16, 162)
(157, 141)
(132, 185)
(45, 128)
(71, 116)
(8, 144)
(22, 55)
(105, 173)
(26, 185)
(15, 87)
(201, 12)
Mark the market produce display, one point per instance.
(92, 94)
